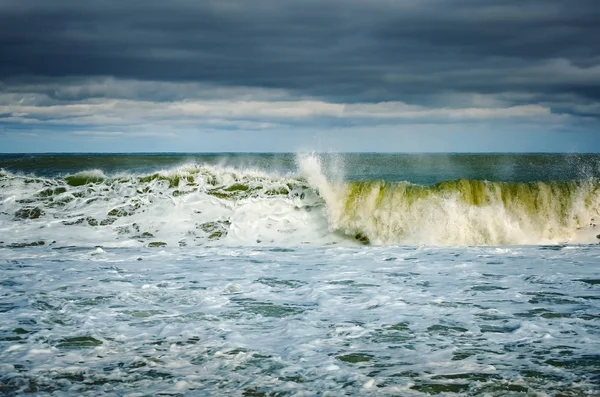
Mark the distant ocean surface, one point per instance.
(300, 274)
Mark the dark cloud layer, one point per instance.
(346, 51)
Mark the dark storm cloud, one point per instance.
(347, 51)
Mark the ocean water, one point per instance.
(300, 275)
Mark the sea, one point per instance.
(309, 274)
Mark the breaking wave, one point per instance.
(198, 204)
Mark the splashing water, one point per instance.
(240, 277)
(195, 204)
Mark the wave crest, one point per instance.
(467, 212)
(197, 204)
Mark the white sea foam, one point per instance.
(342, 320)
(219, 280)
(195, 204)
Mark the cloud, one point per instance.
(119, 105)
(110, 67)
(338, 50)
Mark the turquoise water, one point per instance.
(300, 275)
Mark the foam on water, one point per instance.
(215, 280)
(302, 321)
(188, 205)
(194, 204)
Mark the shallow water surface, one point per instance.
(252, 321)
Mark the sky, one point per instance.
(300, 75)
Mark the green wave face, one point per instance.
(205, 203)
(467, 212)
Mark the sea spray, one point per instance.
(310, 167)
(459, 212)
(247, 277)
(185, 206)
(195, 204)
(466, 212)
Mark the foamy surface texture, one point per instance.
(300, 275)
(196, 203)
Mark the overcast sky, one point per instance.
(296, 75)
